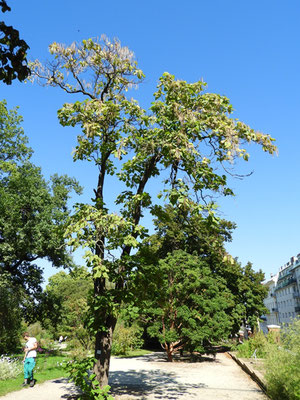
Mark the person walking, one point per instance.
(29, 359)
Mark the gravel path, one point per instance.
(150, 377)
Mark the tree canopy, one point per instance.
(32, 211)
(13, 49)
(183, 302)
(187, 290)
(183, 142)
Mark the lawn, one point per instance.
(134, 353)
(48, 366)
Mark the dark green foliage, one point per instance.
(184, 302)
(185, 226)
(10, 316)
(32, 211)
(245, 284)
(30, 224)
(191, 294)
(13, 62)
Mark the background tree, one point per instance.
(13, 143)
(32, 212)
(245, 284)
(66, 306)
(13, 62)
(183, 228)
(10, 315)
(187, 133)
(183, 303)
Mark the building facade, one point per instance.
(283, 300)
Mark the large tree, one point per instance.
(182, 226)
(183, 303)
(187, 133)
(32, 211)
(188, 290)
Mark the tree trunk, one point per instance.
(103, 351)
(170, 355)
(169, 351)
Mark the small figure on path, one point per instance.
(61, 339)
(29, 359)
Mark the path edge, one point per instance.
(246, 368)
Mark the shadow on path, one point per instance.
(144, 382)
(71, 392)
(161, 357)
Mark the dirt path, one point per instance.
(150, 377)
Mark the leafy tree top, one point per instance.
(13, 62)
(13, 142)
(187, 132)
(32, 211)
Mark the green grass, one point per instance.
(47, 367)
(135, 353)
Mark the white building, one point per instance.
(283, 300)
(271, 303)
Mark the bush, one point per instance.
(9, 368)
(126, 338)
(80, 372)
(257, 343)
(283, 365)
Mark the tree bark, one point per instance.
(169, 351)
(103, 351)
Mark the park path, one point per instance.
(150, 377)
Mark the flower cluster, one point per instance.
(9, 367)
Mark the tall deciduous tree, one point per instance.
(187, 133)
(32, 211)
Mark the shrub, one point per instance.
(10, 367)
(257, 343)
(126, 338)
(80, 343)
(283, 365)
(80, 372)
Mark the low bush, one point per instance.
(257, 346)
(10, 367)
(126, 338)
(283, 365)
(80, 372)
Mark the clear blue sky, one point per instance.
(246, 50)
